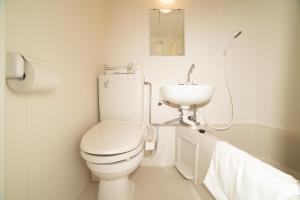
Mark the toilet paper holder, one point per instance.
(24, 75)
(15, 65)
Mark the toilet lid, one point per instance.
(112, 137)
(105, 159)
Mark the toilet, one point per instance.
(114, 147)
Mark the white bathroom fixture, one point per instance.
(114, 148)
(187, 96)
(24, 75)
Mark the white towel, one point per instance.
(235, 175)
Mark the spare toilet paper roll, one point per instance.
(38, 77)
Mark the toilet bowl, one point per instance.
(112, 150)
(114, 183)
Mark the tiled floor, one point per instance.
(153, 183)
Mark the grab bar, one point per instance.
(149, 102)
(130, 69)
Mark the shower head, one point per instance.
(237, 34)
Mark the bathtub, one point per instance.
(279, 148)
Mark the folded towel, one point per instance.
(235, 175)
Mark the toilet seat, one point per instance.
(105, 159)
(112, 141)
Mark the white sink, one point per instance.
(187, 95)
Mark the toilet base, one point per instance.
(116, 189)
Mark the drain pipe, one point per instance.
(185, 117)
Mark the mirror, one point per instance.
(167, 32)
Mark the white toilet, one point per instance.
(114, 148)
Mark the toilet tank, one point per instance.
(121, 97)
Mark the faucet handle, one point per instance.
(181, 82)
(194, 82)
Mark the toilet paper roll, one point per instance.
(38, 77)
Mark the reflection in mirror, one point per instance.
(166, 32)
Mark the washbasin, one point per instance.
(187, 95)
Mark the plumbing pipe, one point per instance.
(186, 120)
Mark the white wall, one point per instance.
(277, 60)
(208, 27)
(2, 78)
(261, 66)
(44, 130)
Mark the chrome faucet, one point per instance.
(189, 74)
